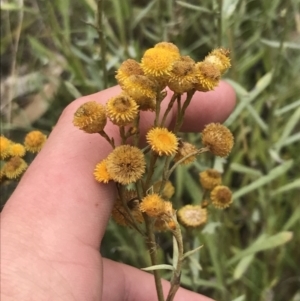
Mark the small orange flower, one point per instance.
(221, 197)
(121, 109)
(90, 117)
(126, 164)
(153, 205)
(101, 174)
(162, 141)
(218, 139)
(34, 141)
(14, 167)
(5, 145)
(157, 62)
(210, 178)
(192, 216)
(17, 150)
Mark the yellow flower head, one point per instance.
(142, 89)
(167, 191)
(120, 214)
(207, 75)
(126, 164)
(5, 145)
(221, 196)
(184, 149)
(14, 167)
(210, 178)
(162, 141)
(121, 109)
(34, 141)
(128, 68)
(153, 205)
(183, 75)
(90, 117)
(218, 139)
(100, 173)
(192, 216)
(17, 150)
(157, 62)
(220, 58)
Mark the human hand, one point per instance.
(54, 222)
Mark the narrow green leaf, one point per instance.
(273, 174)
(287, 108)
(240, 298)
(242, 266)
(245, 170)
(189, 253)
(175, 252)
(288, 187)
(194, 7)
(159, 267)
(269, 243)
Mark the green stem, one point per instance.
(102, 41)
(151, 244)
(109, 140)
(170, 106)
(175, 281)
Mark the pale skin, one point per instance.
(53, 224)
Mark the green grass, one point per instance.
(250, 250)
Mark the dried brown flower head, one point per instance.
(14, 167)
(128, 68)
(185, 149)
(90, 117)
(218, 139)
(221, 197)
(210, 178)
(220, 58)
(207, 75)
(126, 164)
(192, 216)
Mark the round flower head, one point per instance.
(192, 216)
(100, 173)
(5, 145)
(121, 109)
(142, 90)
(183, 75)
(90, 117)
(17, 150)
(167, 191)
(210, 178)
(153, 205)
(221, 196)
(207, 75)
(120, 214)
(128, 68)
(126, 164)
(218, 139)
(162, 141)
(168, 46)
(220, 58)
(184, 149)
(34, 141)
(157, 62)
(14, 167)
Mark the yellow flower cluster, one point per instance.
(143, 87)
(12, 153)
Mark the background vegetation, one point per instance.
(51, 54)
